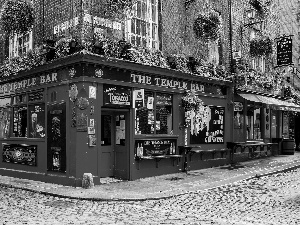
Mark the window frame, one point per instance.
(15, 47)
(15, 103)
(151, 27)
(155, 111)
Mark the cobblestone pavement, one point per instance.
(273, 199)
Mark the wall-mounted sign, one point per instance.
(210, 128)
(138, 98)
(92, 92)
(155, 147)
(285, 51)
(29, 82)
(238, 106)
(20, 154)
(116, 95)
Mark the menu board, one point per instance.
(211, 129)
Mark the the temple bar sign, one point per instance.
(29, 82)
(174, 83)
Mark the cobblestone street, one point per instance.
(265, 200)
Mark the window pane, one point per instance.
(154, 13)
(164, 114)
(139, 9)
(133, 24)
(37, 124)
(20, 121)
(4, 122)
(138, 27)
(106, 130)
(143, 25)
(145, 115)
(138, 41)
(144, 11)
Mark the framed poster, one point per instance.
(210, 128)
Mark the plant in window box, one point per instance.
(117, 8)
(192, 104)
(17, 16)
(178, 62)
(207, 27)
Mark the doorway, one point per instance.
(114, 157)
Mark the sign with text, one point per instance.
(10, 88)
(20, 154)
(116, 95)
(155, 147)
(285, 51)
(211, 127)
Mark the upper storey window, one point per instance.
(142, 28)
(20, 44)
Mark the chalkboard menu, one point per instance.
(284, 51)
(155, 147)
(211, 128)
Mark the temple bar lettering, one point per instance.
(26, 83)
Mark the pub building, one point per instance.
(111, 118)
(262, 122)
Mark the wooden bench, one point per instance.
(157, 158)
(191, 150)
(252, 147)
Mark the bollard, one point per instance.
(87, 180)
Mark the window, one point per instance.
(142, 28)
(20, 44)
(4, 122)
(28, 115)
(253, 122)
(259, 64)
(156, 117)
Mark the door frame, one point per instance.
(115, 111)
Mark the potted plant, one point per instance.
(17, 17)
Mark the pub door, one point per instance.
(114, 157)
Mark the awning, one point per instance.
(276, 103)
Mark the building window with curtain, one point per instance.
(142, 28)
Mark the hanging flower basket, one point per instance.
(208, 27)
(117, 8)
(191, 101)
(260, 47)
(17, 16)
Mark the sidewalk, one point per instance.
(164, 186)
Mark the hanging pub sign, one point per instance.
(285, 51)
(114, 95)
(238, 106)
